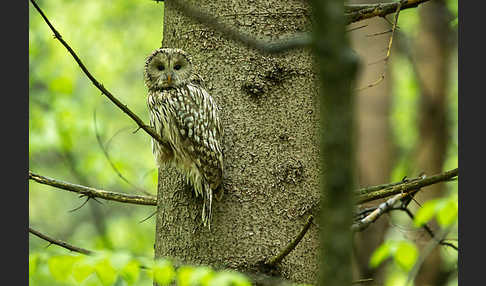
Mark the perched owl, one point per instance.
(186, 117)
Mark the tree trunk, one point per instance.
(270, 118)
(374, 144)
(433, 47)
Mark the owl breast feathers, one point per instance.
(186, 117)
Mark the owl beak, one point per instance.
(169, 79)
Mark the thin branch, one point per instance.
(359, 281)
(429, 230)
(388, 52)
(358, 12)
(291, 246)
(94, 193)
(95, 82)
(374, 215)
(298, 40)
(405, 187)
(425, 253)
(107, 156)
(60, 242)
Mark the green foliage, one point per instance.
(445, 209)
(404, 254)
(113, 268)
(112, 39)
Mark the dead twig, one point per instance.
(60, 242)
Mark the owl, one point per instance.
(186, 117)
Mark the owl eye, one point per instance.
(160, 67)
(177, 67)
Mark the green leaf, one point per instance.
(447, 214)
(201, 276)
(163, 272)
(81, 270)
(380, 254)
(227, 278)
(131, 272)
(61, 266)
(425, 213)
(105, 272)
(405, 255)
(184, 274)
(33, 261)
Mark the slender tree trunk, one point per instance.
(374, 144)
(271, 145)
(433, 48)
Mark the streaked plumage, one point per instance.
(186, 117)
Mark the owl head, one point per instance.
(167, 68)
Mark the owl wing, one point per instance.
(199, 125)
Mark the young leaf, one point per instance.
(425, 213)
(184, 274)
(230, 278)
(81, 270)
(105, 272)
(131, 272)
(380, 254)
(61, 266)
(447, 213)
(33, 260)
(163, 272)
(201, 276)
(405, 255)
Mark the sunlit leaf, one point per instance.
(425, 213)
(81, 270)
(447, 214)
(61, 266)
(380, 254)
(184, 274)
(201, 276)
(105, 272)
(33, 260)
(405, 255)
(131, 272)
(230, 278)
(163, 272)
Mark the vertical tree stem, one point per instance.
(337, 68)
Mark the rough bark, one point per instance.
(270, 117)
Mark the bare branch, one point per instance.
(95, 82)
(374, 215)
(291, 246)
(107, 156)
(299, 40)
(426, 252)
(429, 230)
(358, 12)
(388, 52)
(94, 193)
(60, 242)
(364, 195)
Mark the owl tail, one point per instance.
(207, 214)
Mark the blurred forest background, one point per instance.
(113, 40)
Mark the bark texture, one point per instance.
(270, 118)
